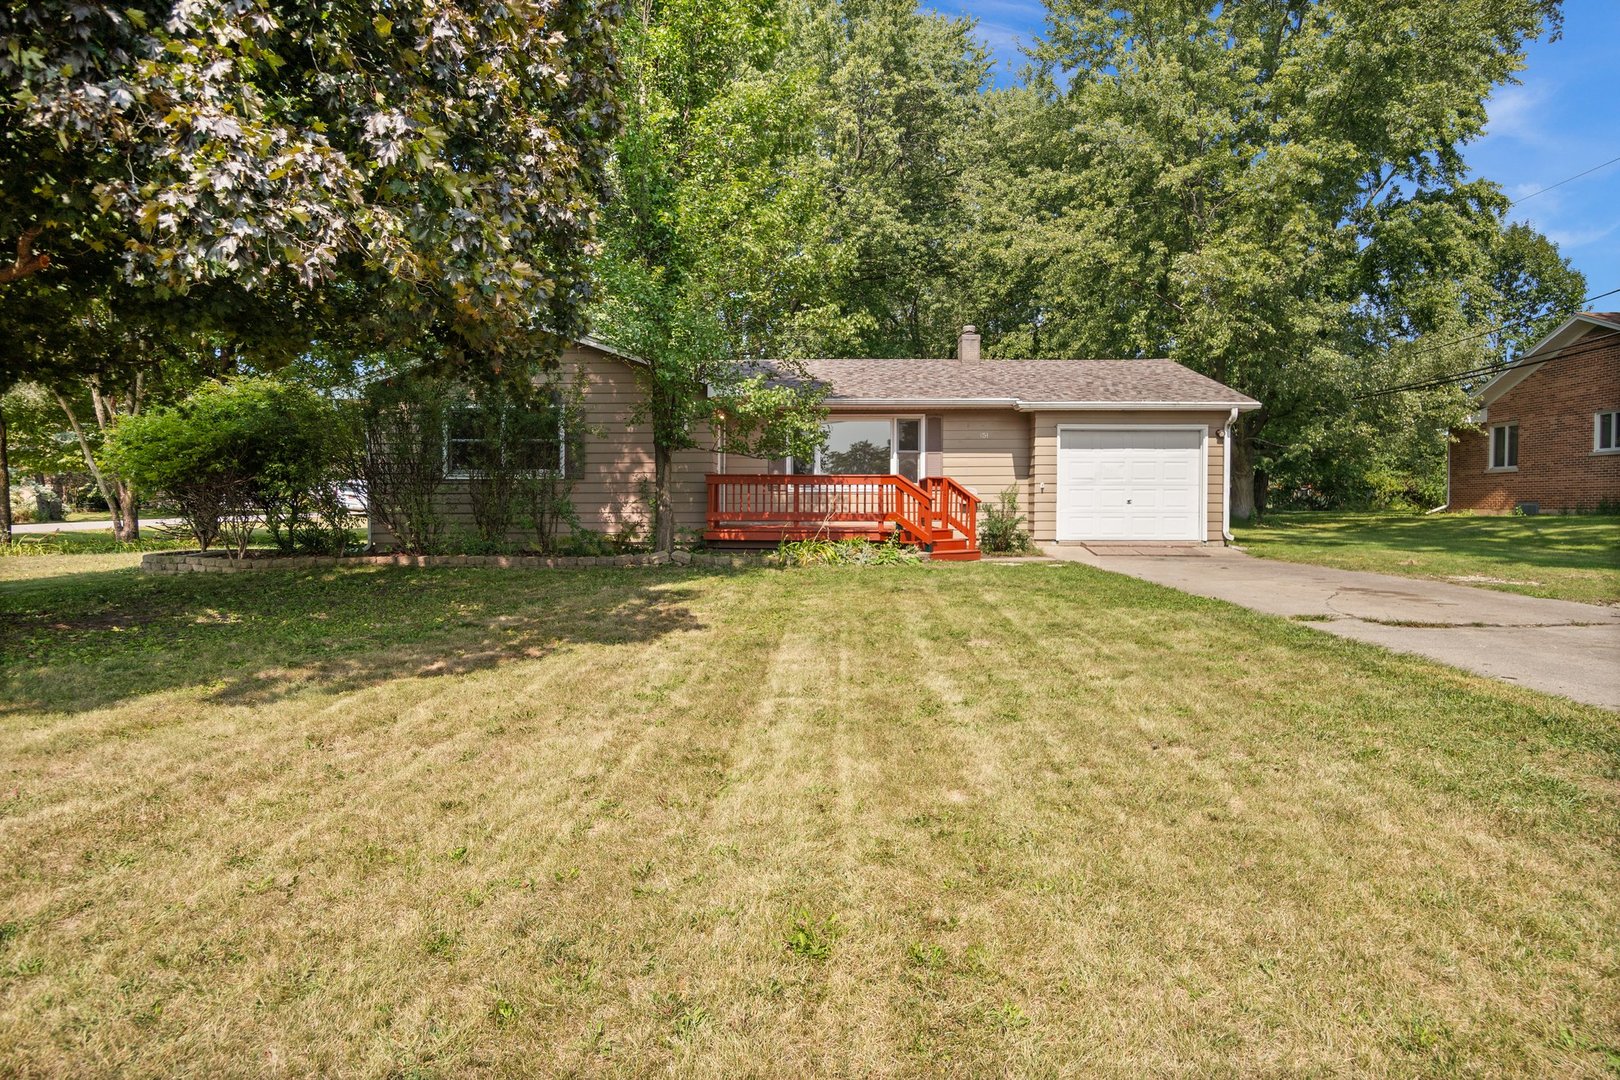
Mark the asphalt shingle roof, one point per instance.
(1020, 382)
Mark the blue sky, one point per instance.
(1562, 119)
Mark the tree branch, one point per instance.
(28, 261)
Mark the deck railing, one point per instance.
(954, 505)
(756, 505)
(765, 499)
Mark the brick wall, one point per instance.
(1553, 407)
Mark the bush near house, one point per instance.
(1002, 528)
(234, 453)
(518, 450)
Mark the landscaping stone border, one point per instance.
(223, 562)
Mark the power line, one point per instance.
(1568, 352)
(1504, 325)
(1561, 183)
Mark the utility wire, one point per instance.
(1565, 180)
(1568, 352)
(1503, 326)
(1474, 337)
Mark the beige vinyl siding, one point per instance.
(618, 459)
(1043, 507)
(988, 451)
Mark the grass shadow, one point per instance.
(83, 641)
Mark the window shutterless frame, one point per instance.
(908, 446)
(1606, 432)
(1503, 448)
(458, 442)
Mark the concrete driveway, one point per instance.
(1556, 646)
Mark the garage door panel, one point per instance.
(1130, 484)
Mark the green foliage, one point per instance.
(851, 552)
(402, 455)
(239, 449)
(433, 167)
(812, 938)
(1273, 193)
(38, 441)
(25, 545)
(706, 231)
(521, 448)
(1001, 527)
(898, 99)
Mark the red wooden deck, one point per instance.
(938, 515)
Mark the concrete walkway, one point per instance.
(86, 526)
(1556, 646)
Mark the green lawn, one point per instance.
(1570, 557)
(970, 819)
(99, 542)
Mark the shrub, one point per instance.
(523, 457)
(1001, 527)
(401, 457)
(846, 553)
(233, 451)
(519, 450)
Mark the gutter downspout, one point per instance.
(1447, 503)
(1226, 479)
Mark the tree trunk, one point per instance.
(5, 483)
(1243, 475)
(663, 504)
(121, 500)
(127, 527)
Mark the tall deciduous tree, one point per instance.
(708, 235)
(897, 103)
(1271, 191)
(439, 160)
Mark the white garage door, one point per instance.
(1130, 484)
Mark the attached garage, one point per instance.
(1131, 483)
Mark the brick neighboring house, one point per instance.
(1548, 432)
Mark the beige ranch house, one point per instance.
(1099, 451)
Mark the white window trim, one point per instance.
(463, 474)
(1490, 449)
(1614, 431)
(894, 442)
(1203, 467)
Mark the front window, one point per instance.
(1606, 432)
(868, 446)
(1505, 446)
(536, 440)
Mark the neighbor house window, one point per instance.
(1505, 446)
(1606, 433)
(538, 443)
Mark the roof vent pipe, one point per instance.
(967, 343)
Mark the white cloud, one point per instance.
(1516, 112)
(1569, 239)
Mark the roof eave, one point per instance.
(1020, 405)
(1526, 365)
(1246, 405)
